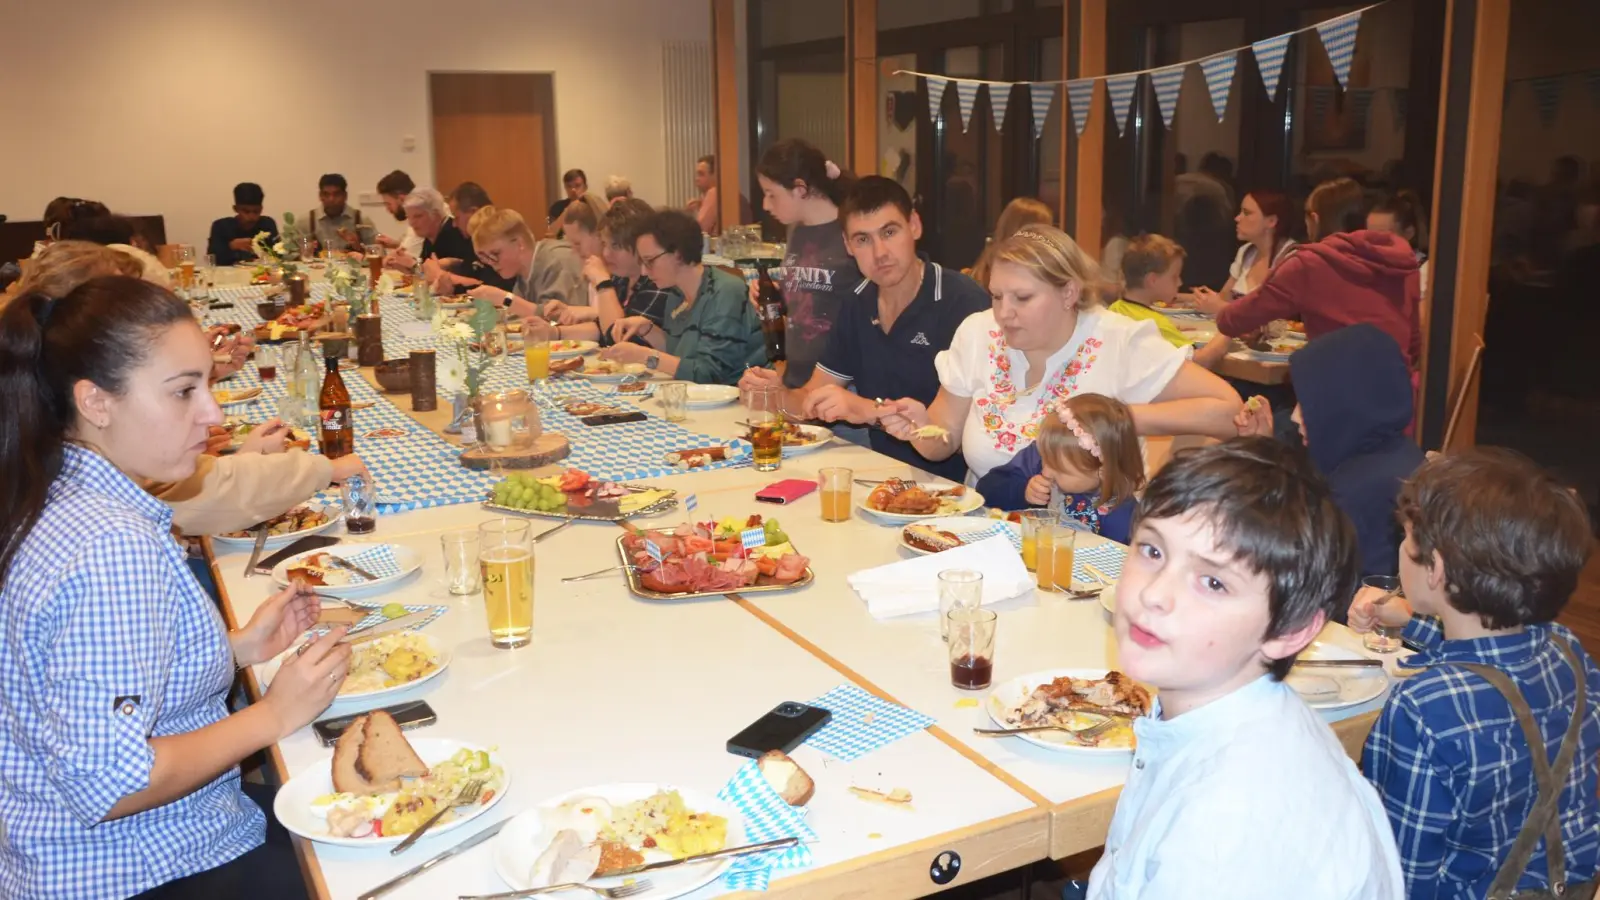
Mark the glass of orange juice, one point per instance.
(1031, 520)
(835, 484)
(1066, 534)
(1044, 536)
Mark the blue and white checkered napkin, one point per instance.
(375, 618)
(767, 817)
(1107, 557)
(862, 723)
(378, 560)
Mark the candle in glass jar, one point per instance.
(498, 422)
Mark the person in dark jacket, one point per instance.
(1355, 405)
(231, 237)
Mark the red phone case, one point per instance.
(785, 491)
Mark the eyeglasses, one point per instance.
(648, 261)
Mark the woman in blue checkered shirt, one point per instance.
(118, 757)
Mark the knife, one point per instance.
(1342, 663)
(458, 849)
(339, 562)
(388, 626)
(549, 531)
(746, 850)
(255, 553)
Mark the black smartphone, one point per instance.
(415, 714)
(614, 419)
(785, 728)
(312, 542)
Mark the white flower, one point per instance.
(463, 331)
(279, 248)
(452, 375)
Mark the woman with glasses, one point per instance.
(543, 270)
(710, 336)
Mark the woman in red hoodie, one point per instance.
(1343, 275)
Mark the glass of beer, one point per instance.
(1031, 520)
(766, 427)
(375, 262)
(505, 559)
(835, 484)
(186, 266)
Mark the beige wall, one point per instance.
(162, 107)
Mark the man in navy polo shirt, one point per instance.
(905, 311)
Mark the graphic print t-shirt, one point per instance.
(817, 274)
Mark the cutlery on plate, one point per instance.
(339, 562)
(387, 626)
(549, 531)
(600, 572)
(746, 850)
(1098, 575)
(255, 552)
(1081, 735)
(626, 890)
(457, 850)
(1362, 663)
(468, 795)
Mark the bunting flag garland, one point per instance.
(1167, 83)
(1339, 39)
(1121, 88)
(966, 96)
(1039, 97)
(1219, 80)
(1269, 59)
(936, 88)
(1081, 93)
(1547, 94)
(999, 97)
(1397, 105)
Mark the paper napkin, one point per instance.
(862, 723)
(912, 585)
(767, 816)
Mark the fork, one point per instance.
(1081, 735)
(468, 795)
(599, 572)
(626, 890)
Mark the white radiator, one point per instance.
(689, 115)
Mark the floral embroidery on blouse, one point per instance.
(992, 407)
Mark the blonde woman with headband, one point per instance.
(1047, 338)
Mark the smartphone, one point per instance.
(312, 542)
(785, 728)
(786, 491)
(614, 419)
(415, 714)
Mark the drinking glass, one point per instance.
(1031, 520)
(266, 362)
(1382, 638)
(766, 427)
(375, 262)
(308, 249)
(971, 640)
(958, 588)
(836, 485)
(505, 556)
(1044, 554)
(536, 337)
(186, 266)
(1064, 540)
(674, 401)
(360, 505)
(461, 560)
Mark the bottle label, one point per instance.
(334, 419)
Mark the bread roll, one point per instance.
(786, 777)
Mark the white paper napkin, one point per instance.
(912, 585)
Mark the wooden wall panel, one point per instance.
(1090, 170)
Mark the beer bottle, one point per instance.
(338, 433)
(774, 316)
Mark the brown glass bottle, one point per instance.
(774, 316)
(337, 437)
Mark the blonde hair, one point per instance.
(1149, 254)
(1020, 212)
(1109, 422)
(585, 212)
(492, 224)
(1053, 257)
(63, 265)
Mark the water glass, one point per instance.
(971, 647)
(836, 485)
(958, 588)
(674, 401)
(1382, 638)
(505, 556)
(461, 560)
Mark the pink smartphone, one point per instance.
(786, 491)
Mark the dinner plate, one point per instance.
(1355, 685)
(236, 398)
(1108, 599)
(581, 348)
(440, 656)
(1268, 355)
(335, 513)
(520, 842)
(969, 501)
(1009, 694)
(819, 438)
(708, 396)
(408, 559)
(293, 803)
(613, 377)
(962, 527)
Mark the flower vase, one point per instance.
(461, 418)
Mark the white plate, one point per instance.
(970, 501)
(1011, 693)
(615, 377)
(820, 437)
(960, 526)
(1355, 685)
(236, 398)
(583, 347)
(442, 657)
(1266, 355)
(707, 396)
(1108, 599)
(517, 845)
(409, 561)
(455, 304)
(335, 513)
(293, 803)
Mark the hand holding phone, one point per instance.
(785, 728)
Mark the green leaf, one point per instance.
(288, 218)
(485, 316)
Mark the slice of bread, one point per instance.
(786, 777)
(373, 755)
(346, 779)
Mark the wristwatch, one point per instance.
(652, 361)
(508, 299)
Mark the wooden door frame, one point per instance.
(552, 179)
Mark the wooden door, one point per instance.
(497, 129)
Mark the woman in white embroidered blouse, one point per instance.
(1047, 338)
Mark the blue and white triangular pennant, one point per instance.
(936, 88)
(1547, 94)
(966, 96)
(999, 99)
(1269, 59)
(1121, 88)
(1339, 39)
(1039, 99)
(1081, 95)
(1219, 80)
(1168, 83)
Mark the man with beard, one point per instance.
(394, 188)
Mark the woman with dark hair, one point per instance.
(1344, 275)
(1265, 224)
(802, 188)
(1401, 213)
(119, 756)
(712, 334)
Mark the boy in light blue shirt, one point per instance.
(1238, 789)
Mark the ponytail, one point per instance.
(791, 161)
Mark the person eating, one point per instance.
(232, 238)
(540, 270)
(335, 226)
(394, 188)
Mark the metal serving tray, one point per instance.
(639, 590)
(597, 511)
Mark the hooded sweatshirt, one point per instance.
(1355, 400)
(1343, 279)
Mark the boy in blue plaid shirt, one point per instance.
(1493, 548)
